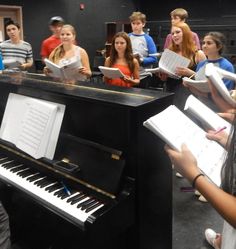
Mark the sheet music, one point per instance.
(175, 128)
(170, 60)
(209, 118)
(110, 72)
(32, 125)
(212, 72)
(201, 85)
(35, 128)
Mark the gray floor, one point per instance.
(191, 217)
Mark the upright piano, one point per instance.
(115, 189)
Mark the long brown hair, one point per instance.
(128, 51)
(59, 51)
(188, 48)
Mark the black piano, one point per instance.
(110, 182)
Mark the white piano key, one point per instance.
(54, 202)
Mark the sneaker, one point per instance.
(202, 198)
(197, 193)
(179, 175)
(211, 236)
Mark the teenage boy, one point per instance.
(48, 45)
(143, 45)
(16, 50)
(180, 15)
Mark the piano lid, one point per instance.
(131, 97)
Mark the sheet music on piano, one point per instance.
(32, 125)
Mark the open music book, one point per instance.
(110, 72)
(11, 63)
(175, 128)
(201, 85)
(208, 118)
(168, 62)
(216, 74)
(67, 71)
(32, 125)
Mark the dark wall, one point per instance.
(89, 23)
(197, 9)
(204, 16)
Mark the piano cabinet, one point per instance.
(138, 210)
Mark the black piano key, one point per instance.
(21, 173)
(34, 177)
(4, 160)
(40, 181)
(27, 173)
(66, 194)
(53, 187)
(46, 183)
(73, 198)
(78, 199)
(11, 164)
(18, 168)
(60, 192)
(92, 207)
(88, 204)
(84, 202)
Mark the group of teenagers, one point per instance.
(132, 53)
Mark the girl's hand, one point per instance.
(229, 115)
(183, 71)
(184, 161)
(162, 76)
(46, 70)
(221, 137)
(85, 71)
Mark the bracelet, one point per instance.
(195, 179)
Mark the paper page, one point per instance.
(56, 71)
(170, 60)
(216, 79)
(36, 126)
(110, 72)
(50, 151)
(32, 125)
(70, 69)
(177, 129)
(209, 118)
(201, 85)
(11, 63)
(152, 70)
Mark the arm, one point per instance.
(85, 69)
(106, 64)
(135, 79)
(27, 65)
(29, 58)
(186, 164)
(182, 71)
(219, 101)
(151, 50)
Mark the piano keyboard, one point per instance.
(72, 204)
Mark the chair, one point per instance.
(96, 73)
